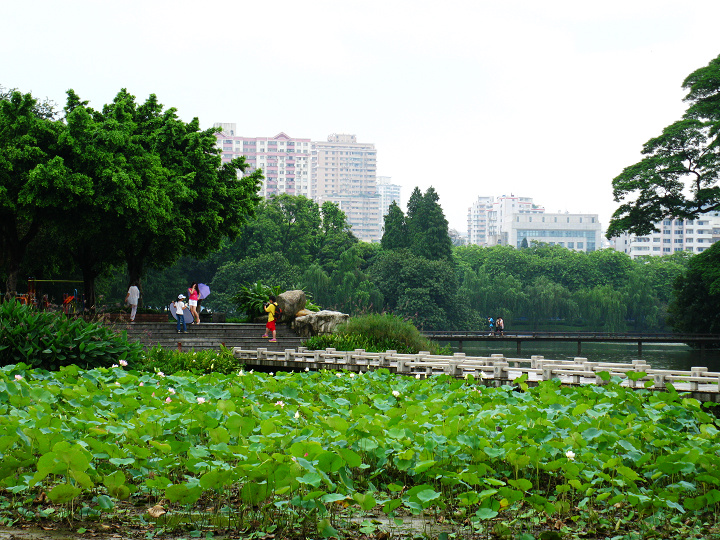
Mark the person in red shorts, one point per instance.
(270, 326)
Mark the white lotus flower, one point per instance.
(570, 455)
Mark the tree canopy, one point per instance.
(129, 184)
(679, 174)
(424, 230)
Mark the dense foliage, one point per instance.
(170, 361)
(696, 305)
(301, 454)
(51, 340)
(543, 287)
(678, 177)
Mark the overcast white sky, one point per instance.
(546, 99)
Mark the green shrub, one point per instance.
(51, 340)
(376, 333)
(251, 298)
(171, 361)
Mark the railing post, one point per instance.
(453, 369)
(500, 370)
(536, 361)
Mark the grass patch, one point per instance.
(377, 333)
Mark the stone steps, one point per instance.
(208, 336)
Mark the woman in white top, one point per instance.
(132, 297)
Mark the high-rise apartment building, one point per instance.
(487, 214)
(285, 161)
(344, 172)
(673, 235)
(388, 192)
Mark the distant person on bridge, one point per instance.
(491, 324)
(499, 326)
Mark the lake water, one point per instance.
(659, 356)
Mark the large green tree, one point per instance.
(695, 307)
(36, 187)
(395, 231)
(159, 187)
(678, 177)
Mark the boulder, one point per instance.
(315, 324)
(291, 302)
(303, 312)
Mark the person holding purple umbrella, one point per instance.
(193, 295)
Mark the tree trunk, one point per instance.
(11, 282)
(89, 288)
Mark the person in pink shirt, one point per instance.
(193, 295)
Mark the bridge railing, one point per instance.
(495, 367)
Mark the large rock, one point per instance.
(291, 302)
(322, 322)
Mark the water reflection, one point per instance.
(671, 356)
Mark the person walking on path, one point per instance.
(193, 295)
(132, 297)
(179, 311)
(270, 326)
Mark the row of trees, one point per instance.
(295, 243)
(129, 185)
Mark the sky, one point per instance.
(546, 99)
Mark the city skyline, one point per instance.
(548, 99)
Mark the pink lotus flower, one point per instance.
(168, 400)
(201, 400)
(280, 403)
(18, 377)
(160, 374)
(142, 384)
(123, 363)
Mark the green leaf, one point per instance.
(63, 493)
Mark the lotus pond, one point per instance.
(325, 454)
